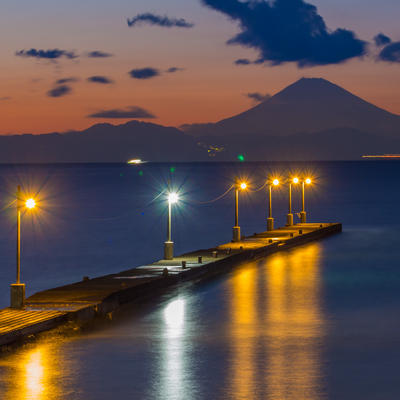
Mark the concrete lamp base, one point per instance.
(168, 250)
(289, 219)
(236, 233)
(270, 224)
(303, 217)
(17, 295)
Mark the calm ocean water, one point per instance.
(317, 322)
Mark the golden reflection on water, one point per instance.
(32, 374)
(277, 327)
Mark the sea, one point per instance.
(320, 321)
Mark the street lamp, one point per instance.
(289, 217)
(169, 244)
(18, 288)
(236, 228)
(303, 214)
(270, 220)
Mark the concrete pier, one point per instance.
(85, 300)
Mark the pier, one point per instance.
(88, 299)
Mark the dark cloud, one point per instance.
(288, 31)
(382, 40)
(243, 61)
(59, 91)
(130, 112)
(98, 54)
(258, 97)
(5, 98)
(100, 79)
(174, 69)
(52, 54)
(63, 81)
(144, 73)
(390, 53)
(164, 21)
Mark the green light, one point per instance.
(240, 157)
(172, 169)
(140, 173)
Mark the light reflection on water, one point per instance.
(277, 347)
(34, 373)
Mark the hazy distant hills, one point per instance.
(307, 106)
(311, 119)
(103, 143)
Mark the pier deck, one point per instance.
(83, 301)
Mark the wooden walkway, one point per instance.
(83, 301)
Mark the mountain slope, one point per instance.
(308, 105)
(102, 143)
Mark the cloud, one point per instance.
(164, 21)
(59, 91)
(5, 98)
(243, 61)
(144, 73)
(381, 40)
(288, 31)
(174, 69)
(128, 113)
(63, 81)
(100, 79)
(258, 97)
(98, 54)
(390, 53)
(52, 54)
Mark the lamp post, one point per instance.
(18, 288)
(169, 244)
(270, 220)
(303, 214)
(289, 217)
(236, 228)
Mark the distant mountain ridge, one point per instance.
(309, 105)
(102, 143)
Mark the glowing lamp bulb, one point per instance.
(295, 180)
(30, 203)
(308, 181)
(243, 186)
(275, 182)
(173, 198)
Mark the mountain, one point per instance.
(309, 105)
(103, 143)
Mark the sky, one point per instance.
(66, 65)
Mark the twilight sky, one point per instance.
(70, 64)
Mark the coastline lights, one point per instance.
(18, 288)
(289, 217)
(173, 198)
(270, 220)
(303, 214)
(236, 229)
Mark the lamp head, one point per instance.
(173, 198)
(275, 182)
(308, 181)
(30, 203)
(243, 185)
(295, 180)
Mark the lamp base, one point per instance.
(236, 234)
(270, 224)
(289, 219)
(303, 217)
(17, 291)
(168, 250)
